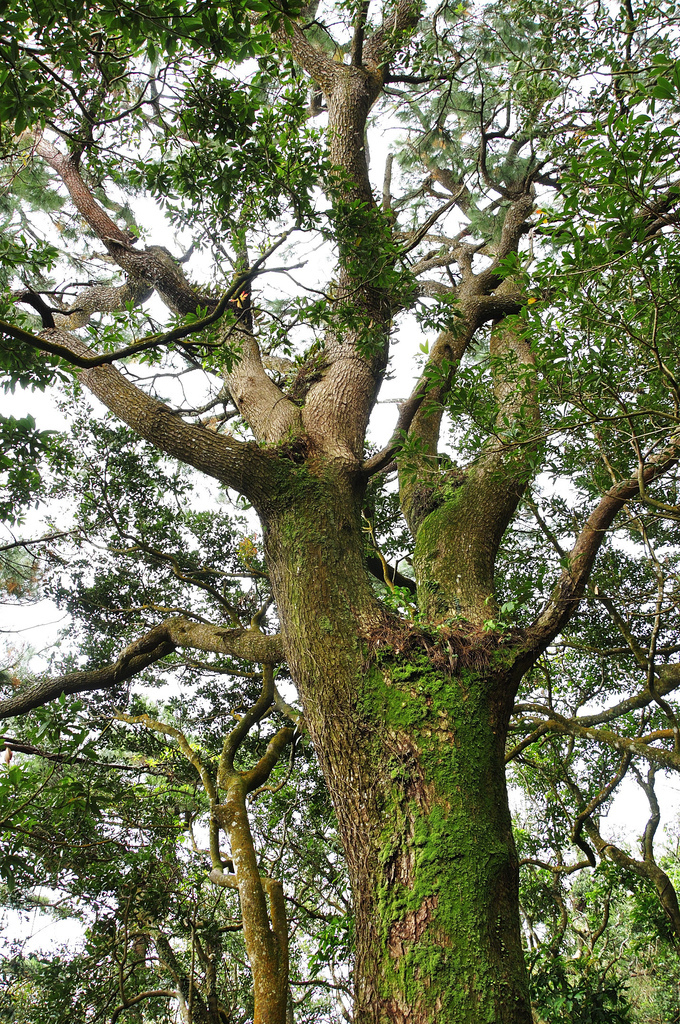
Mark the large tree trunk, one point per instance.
(409, 725)
(438, 937)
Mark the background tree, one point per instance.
(528, 218)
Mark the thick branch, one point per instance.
(154, 645)
(101, 298)
(266, 943)
(472, 508)
(143, 652)
(357, 47)
(315, 62)
(422, 412)
(83, 200)
(249, 644)
(45, 343)
(407, 412)
(270, 415)
(20, 747)
(240, 465)
(154, 265)
(153, 994)
(667, 680)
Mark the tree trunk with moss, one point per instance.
(408, 715)
(409, 723)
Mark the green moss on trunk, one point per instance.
(409, 728)
(446, 895)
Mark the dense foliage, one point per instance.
(232, 225)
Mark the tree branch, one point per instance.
(169, 730)
(315, 62)
(21, 747)
(154, 645)
(570, 589)
(68, 353)
(269, 413)
(625, 744)
(254, 714)
(357, 47)
(101, 298)
(241, 465)
(387, 40)
(154, 264)
(139, 655)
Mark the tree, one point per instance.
(529, 218)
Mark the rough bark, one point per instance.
(241, 465)
(410, 732)
(409, 723)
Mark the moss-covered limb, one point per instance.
(258, 775)
(457, 542)
(420, 480)
(481, 297)
(266, 942)
(438, 925)
(314, 544)
(459, 522)
(252, 716)
(338, 405)
(279, 921)
(513, 370)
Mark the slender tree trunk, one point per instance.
(409, 726)
(266, 942)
